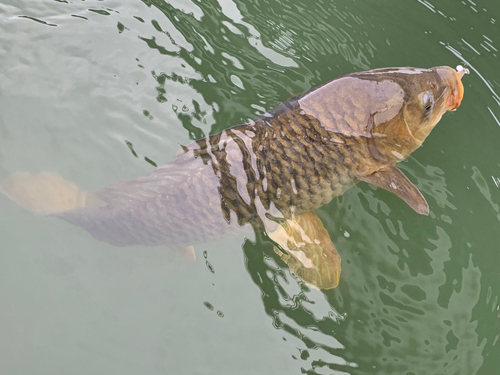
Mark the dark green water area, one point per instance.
(101, 91)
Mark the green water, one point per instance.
(80, 79)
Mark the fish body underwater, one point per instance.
(270, 174)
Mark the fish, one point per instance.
(268, 175)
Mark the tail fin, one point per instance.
(44, 193)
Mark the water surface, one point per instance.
(81, 83)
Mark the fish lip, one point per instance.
(460, 94)
(454, 80)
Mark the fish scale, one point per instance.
(315, 183)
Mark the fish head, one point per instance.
(429, 96)
(424, 96)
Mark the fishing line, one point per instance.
(467, 65)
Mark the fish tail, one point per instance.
(44, 193)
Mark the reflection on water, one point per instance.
(417, 294)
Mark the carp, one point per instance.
(269, 174)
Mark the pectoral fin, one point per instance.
(309, 251)
(396, 182)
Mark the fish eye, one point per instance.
(428, 101)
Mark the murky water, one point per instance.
(82, 84)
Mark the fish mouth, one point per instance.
(454, 79)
